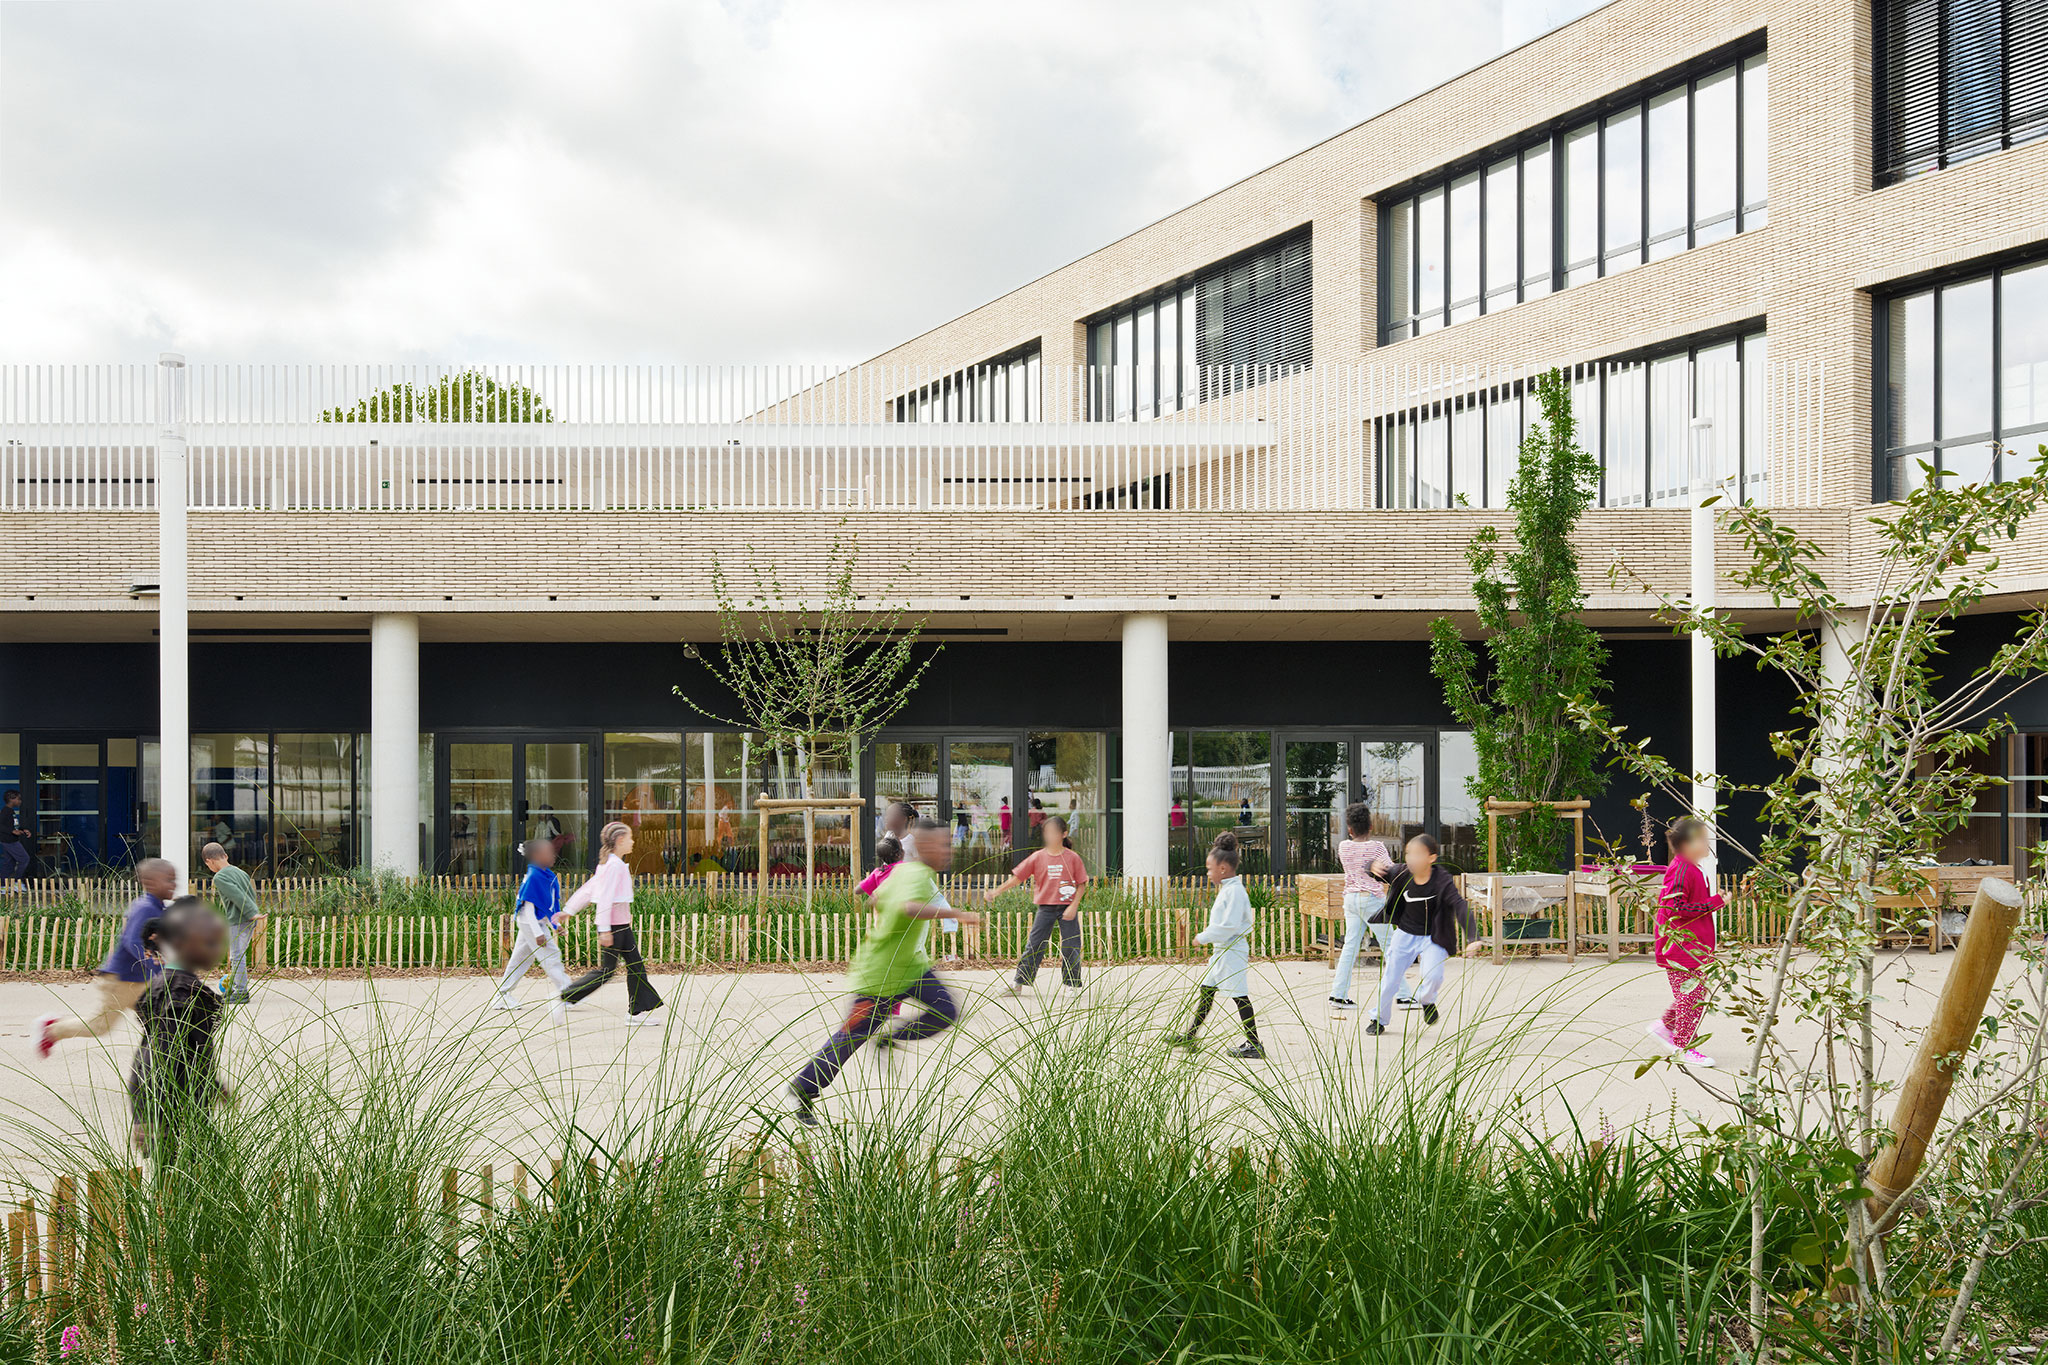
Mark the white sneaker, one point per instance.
(559, 1012)
(1661, 1034)
(1073, 992)
(1694, 1057)
(505, 1002)
(645, 1019)
(1014, 987)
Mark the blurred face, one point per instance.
(1053, 834)
(934, 848)
(161, 884)
(541, 853)
(895, 821)
(1421, 862)
(1694, 850)
(624, 846)
(204, 945)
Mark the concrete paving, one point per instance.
(1536, 1042)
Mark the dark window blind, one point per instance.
(1957, 79)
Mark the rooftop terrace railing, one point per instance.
(650, 439)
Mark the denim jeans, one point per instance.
(1358, 906)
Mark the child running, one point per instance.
(1427, 911)
(175, 1079)
(891, 966)
(238, 898)
(129, 968)
(1229, 936)
(540, 901)
(1685, 938)
(610, 889)
(1058, 880)
(1365, 861)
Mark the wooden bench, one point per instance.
(1939, 889)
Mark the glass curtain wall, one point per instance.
(1629, 181)
(231, 797)
(643, 789)
(1956, 79)
(1066, 775)
(1006, 388)
(314, 800)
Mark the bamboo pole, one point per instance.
(1993, 916)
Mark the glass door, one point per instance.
(981, 779)
(482, 807)
(496, 793)
(1393, 778)
(1318, 778)
(63, 807)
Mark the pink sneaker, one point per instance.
(1662, 1035)
(44, 1042)
(1694, 1057)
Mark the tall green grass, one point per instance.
(1067, 1190)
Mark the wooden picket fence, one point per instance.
(463, 923)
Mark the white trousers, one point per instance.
(1409, 949)
(527, 949)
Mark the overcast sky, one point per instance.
(690, 181)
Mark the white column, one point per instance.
(174, 635)
(1148, 747)
(395, 743)
(1705, 739)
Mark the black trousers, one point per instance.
(865, 1019)
(1042, 925)
(640, 993)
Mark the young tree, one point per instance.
(813, 679)
(1877, 772)
(1539, 652)
(470, 396)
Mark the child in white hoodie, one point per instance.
(1229, 936)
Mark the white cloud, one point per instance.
(684, 181)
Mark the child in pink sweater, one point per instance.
(1685, 938)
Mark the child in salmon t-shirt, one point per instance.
(1058, 879)
(1685, 938)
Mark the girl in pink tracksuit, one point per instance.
(1685, 938)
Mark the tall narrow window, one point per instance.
(1397, 272)
(2023, 350)
(1503, 270)
(1429, 257)
(1582, 204)
(1669, 218)
(1622, 166)
(1756, 137)
(1465, 248)
(1001, 389)
(1626, 436)
(1536, 210)
(1713, 166)
(1169, 353)
(1468, 456)
(1148, 362)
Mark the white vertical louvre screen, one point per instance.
(675, 439)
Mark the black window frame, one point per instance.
(1592, 426)
(1736, 57)
(1214, 378)
(956, 397)
(1889, 462)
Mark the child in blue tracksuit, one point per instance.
(540, 904)
(1229, 936)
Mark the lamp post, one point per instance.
(1704, 737)
(174, 737)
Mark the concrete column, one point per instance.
(1148, 747)
(174, 642)
(395, 744)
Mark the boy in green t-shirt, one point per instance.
(891, 966)
(238, 907)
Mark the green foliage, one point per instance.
(1539, 652)
(307, 1222)
(1879, 767)
(816, 677)
(470, 396)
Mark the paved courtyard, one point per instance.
(1540, 1042)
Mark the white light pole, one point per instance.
(174, 642)
(1704, 738)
